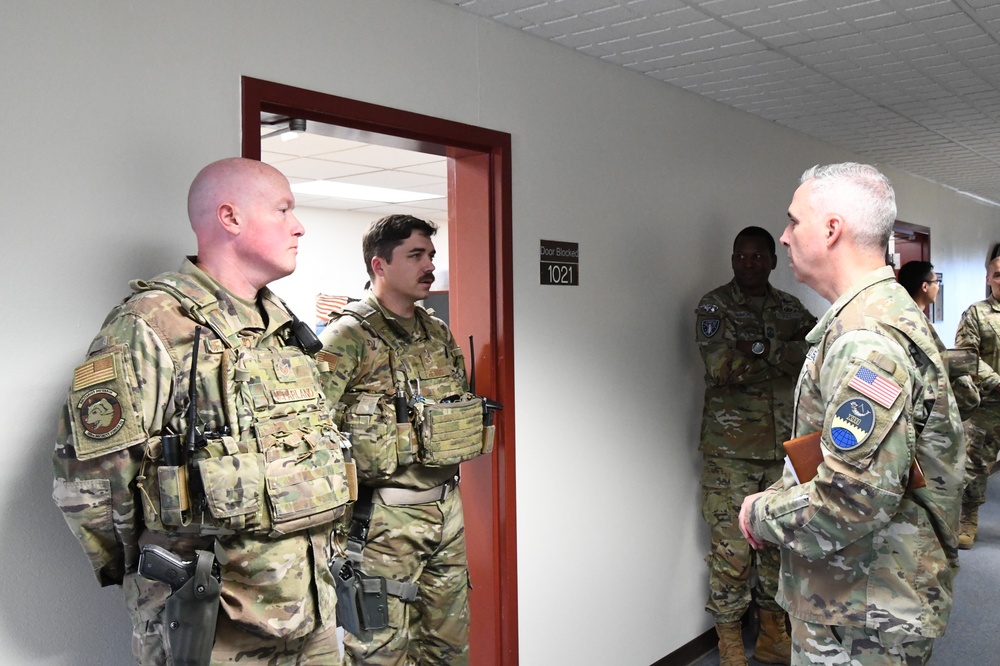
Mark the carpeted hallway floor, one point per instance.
(973, 637)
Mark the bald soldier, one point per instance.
(210, 504)
(868, 551)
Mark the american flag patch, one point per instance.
(99, 370)
(878, 388)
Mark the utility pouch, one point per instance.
(450, 432)
(172, 484)
(362, 602)
(190, 615)
(406, 445)
(489, 432)
(233, 486)
(373, 433)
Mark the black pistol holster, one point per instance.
(191, 613)
(362, 600)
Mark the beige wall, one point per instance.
(110, 108)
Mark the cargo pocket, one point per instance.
(233, 486)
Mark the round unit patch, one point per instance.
(100, 413)
(852, 423)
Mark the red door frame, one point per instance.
(481, 305)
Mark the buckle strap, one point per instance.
(405, 591)
(406, 497)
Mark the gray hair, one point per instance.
(867, 199)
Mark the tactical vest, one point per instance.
(417, 412)
(269, 460)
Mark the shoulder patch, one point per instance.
(853, 423)
(707, 308)
(102, 402)
(710, 327)
(882, 390)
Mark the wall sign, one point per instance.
(560, 262)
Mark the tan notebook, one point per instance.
(805, 454)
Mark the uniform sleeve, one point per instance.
(716, 333)
(867, 440)
(788, 355)
(115, 403)
(968, 337)
(340, 358)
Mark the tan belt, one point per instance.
(405, 496)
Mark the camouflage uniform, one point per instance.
(273, 482)
(369, 355)
(858, 549)
(979, 329)
(746, 417)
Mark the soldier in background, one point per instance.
(752, 339)
(264, 476)
(979, 330)
(867, 560)
(398, 379)
(920, 282)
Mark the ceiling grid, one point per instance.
(910, 83)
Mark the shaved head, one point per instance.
(241, 212)
(234, 180)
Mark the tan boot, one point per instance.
(968, 527)
(731, 651)
(774, 645)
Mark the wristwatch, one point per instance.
(757, 348)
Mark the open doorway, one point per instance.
(480, 305)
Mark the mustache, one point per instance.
(428, 278)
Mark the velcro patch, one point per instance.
(870, 383)
(852, 424)
(102, 402)
(95, 371)
(709, 327)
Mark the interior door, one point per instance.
(480, 303)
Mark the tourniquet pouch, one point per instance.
(450, 432)
(373, 433)
(172, 484)
(304, 475)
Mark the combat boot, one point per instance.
(774, 645)
(731, 651)
(968, 527)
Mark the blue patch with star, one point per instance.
(853, 423)
(710, 327)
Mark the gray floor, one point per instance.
(973, 637)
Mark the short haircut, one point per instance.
(756, 232)
(388, 233)
(913, 274)
(866, 200)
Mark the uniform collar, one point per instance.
(883, 274)
(266, 314)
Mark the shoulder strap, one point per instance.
(198, 304)
(372, 321)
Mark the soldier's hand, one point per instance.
(745, 511)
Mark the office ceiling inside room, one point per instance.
(914, 84)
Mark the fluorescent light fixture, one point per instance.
(289, 136)
(327, 188)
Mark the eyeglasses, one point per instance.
(934, 281)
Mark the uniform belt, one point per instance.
(405, 496)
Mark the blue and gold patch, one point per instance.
(853, 423)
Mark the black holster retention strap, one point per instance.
(191, 613)
(362, 606)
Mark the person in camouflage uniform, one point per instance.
(392, 369)
(867, 563)
(752, 340)
(266, 456)
(979, 329)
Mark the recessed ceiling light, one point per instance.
(327, 188)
